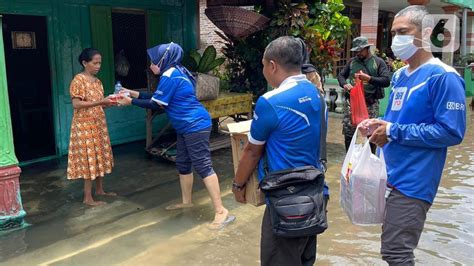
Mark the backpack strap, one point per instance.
(323, 134)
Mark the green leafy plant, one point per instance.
(325, 31)
(381, 54)
(290, 18)
(244, 62)
(397, 64)
(393, 65)
(204, 63)
(467, 59)
(320, 24)
(327, 19)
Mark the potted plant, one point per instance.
(468, 61)
(397, 64)
(325, 32)
(207, 85)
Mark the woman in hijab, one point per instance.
(175, 93)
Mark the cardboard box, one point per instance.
(239, 138)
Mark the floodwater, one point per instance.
(134, 228)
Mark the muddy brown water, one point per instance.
(134, 229)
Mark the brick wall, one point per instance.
(369, 20)
(207, 30)
(470, 32)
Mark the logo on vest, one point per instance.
(304, 99)
(398, 98)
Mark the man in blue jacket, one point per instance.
(426, 114)
(286, 130)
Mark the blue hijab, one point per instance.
(170, 55)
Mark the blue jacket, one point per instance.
(427, 114)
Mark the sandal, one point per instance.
(219, 226)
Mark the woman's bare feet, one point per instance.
(103, 193)
(221, 220)
(93, 203)
(220, 217)
(179, 206)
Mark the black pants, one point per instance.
(276, 250)
(402, 226)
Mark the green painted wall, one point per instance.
(70, 30)
(384, 102)
(469, 80)
(7, 151)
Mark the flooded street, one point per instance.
(134, 229)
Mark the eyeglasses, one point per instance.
(164, 55)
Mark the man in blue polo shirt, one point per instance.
(426, 114)
(286, 127)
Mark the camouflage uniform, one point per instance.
(380, 77)
(347, 128)
(357, 65)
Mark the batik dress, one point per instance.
(90, 152)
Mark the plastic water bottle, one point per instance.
(118, 87)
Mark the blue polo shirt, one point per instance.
(287, 121)
(427, 114)
(176, 93)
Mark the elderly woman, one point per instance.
(175, 93)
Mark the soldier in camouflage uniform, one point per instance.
(373, 71)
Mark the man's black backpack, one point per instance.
(295, 196)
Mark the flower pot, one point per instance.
(207, 87)
(418, 2)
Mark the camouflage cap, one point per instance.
(360, 43)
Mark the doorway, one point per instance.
(129, 46)
(29, 85)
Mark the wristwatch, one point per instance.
(237, 187)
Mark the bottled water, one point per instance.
(118, 87)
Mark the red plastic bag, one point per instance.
(358, 106)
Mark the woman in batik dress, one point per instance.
(90, 153)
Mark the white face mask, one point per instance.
(403, 46)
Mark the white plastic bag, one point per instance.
(363, 183)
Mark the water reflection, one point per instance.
(140, 232)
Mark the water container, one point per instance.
(118, 87)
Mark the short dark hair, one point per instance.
(417, 14)
(287, 51)
(87, 55)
